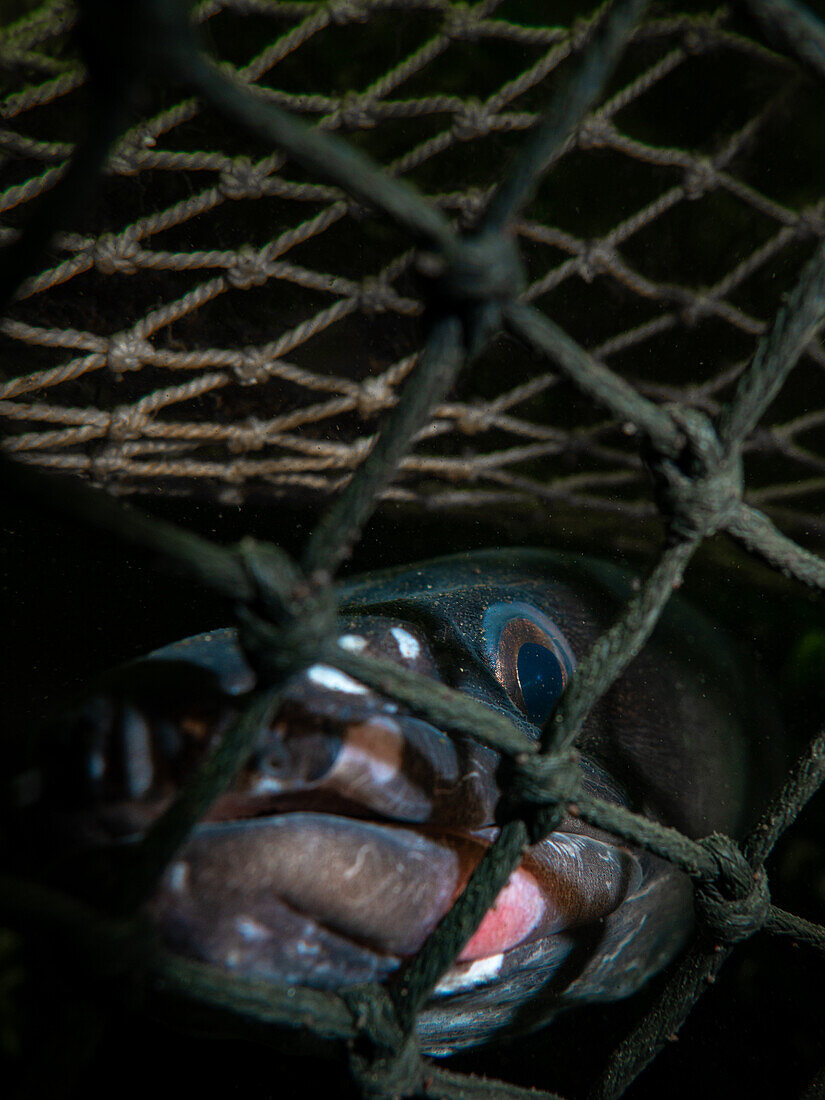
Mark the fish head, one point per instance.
(355, 823)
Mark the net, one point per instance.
(670, 227)
(98, 337)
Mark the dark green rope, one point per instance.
(759, 535)
(777, 353)
(661, 840)
(781, 923)
(578, 96)
(803, 782)
(594, 379)
(421, 974)
(450, 710)
(250, 1001)
(793, 28)
(143, 865)
(616, 648)
(693, 975)
(336, 531)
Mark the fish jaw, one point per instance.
(357, 771)
(330, 901)
(344, 841)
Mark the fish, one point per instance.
(355, 824)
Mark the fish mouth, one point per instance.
(329, 901)
(343, 842)
(348, 837)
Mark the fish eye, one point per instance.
(531, 658)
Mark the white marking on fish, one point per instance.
(303, 947)
(360, 860)
(644, 892)
(137, 753)
(464, 976)
(568, 846)
(268, 784)
(333, 680)
(251, 930)
(608, 961)
(408, 646)
(372, 754)
(353, 642)
(178, 875)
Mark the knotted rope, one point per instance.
(699, 490)
(737, 902)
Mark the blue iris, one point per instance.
(541, 679)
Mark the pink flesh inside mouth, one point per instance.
(514, 914)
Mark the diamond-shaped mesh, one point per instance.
(220, 324)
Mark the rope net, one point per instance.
(318, 348)
(663, 239)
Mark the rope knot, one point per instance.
(376, 296)
(701, 488)
(230, 496)
(116, 254)
(251, 268)
(535, 783)
(253, 436)
(242, 180)
(341, 12)
(461, 24)
(695, 309)
(128, 351)
(808, 225)
(471, 207)
(594, 260)
(251, 368)
(700, 177)
(355, 113)
(289, 621)
(374, 395)
(595, 132)
(126, 423)
(470, 419)
(124, 161)
(580, 34)
(736, 904)
(472, 121)
(699, 37)
(384, 1062)
(103, 464)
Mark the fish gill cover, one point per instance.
(223, 317)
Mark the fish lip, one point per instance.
(228, 906)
